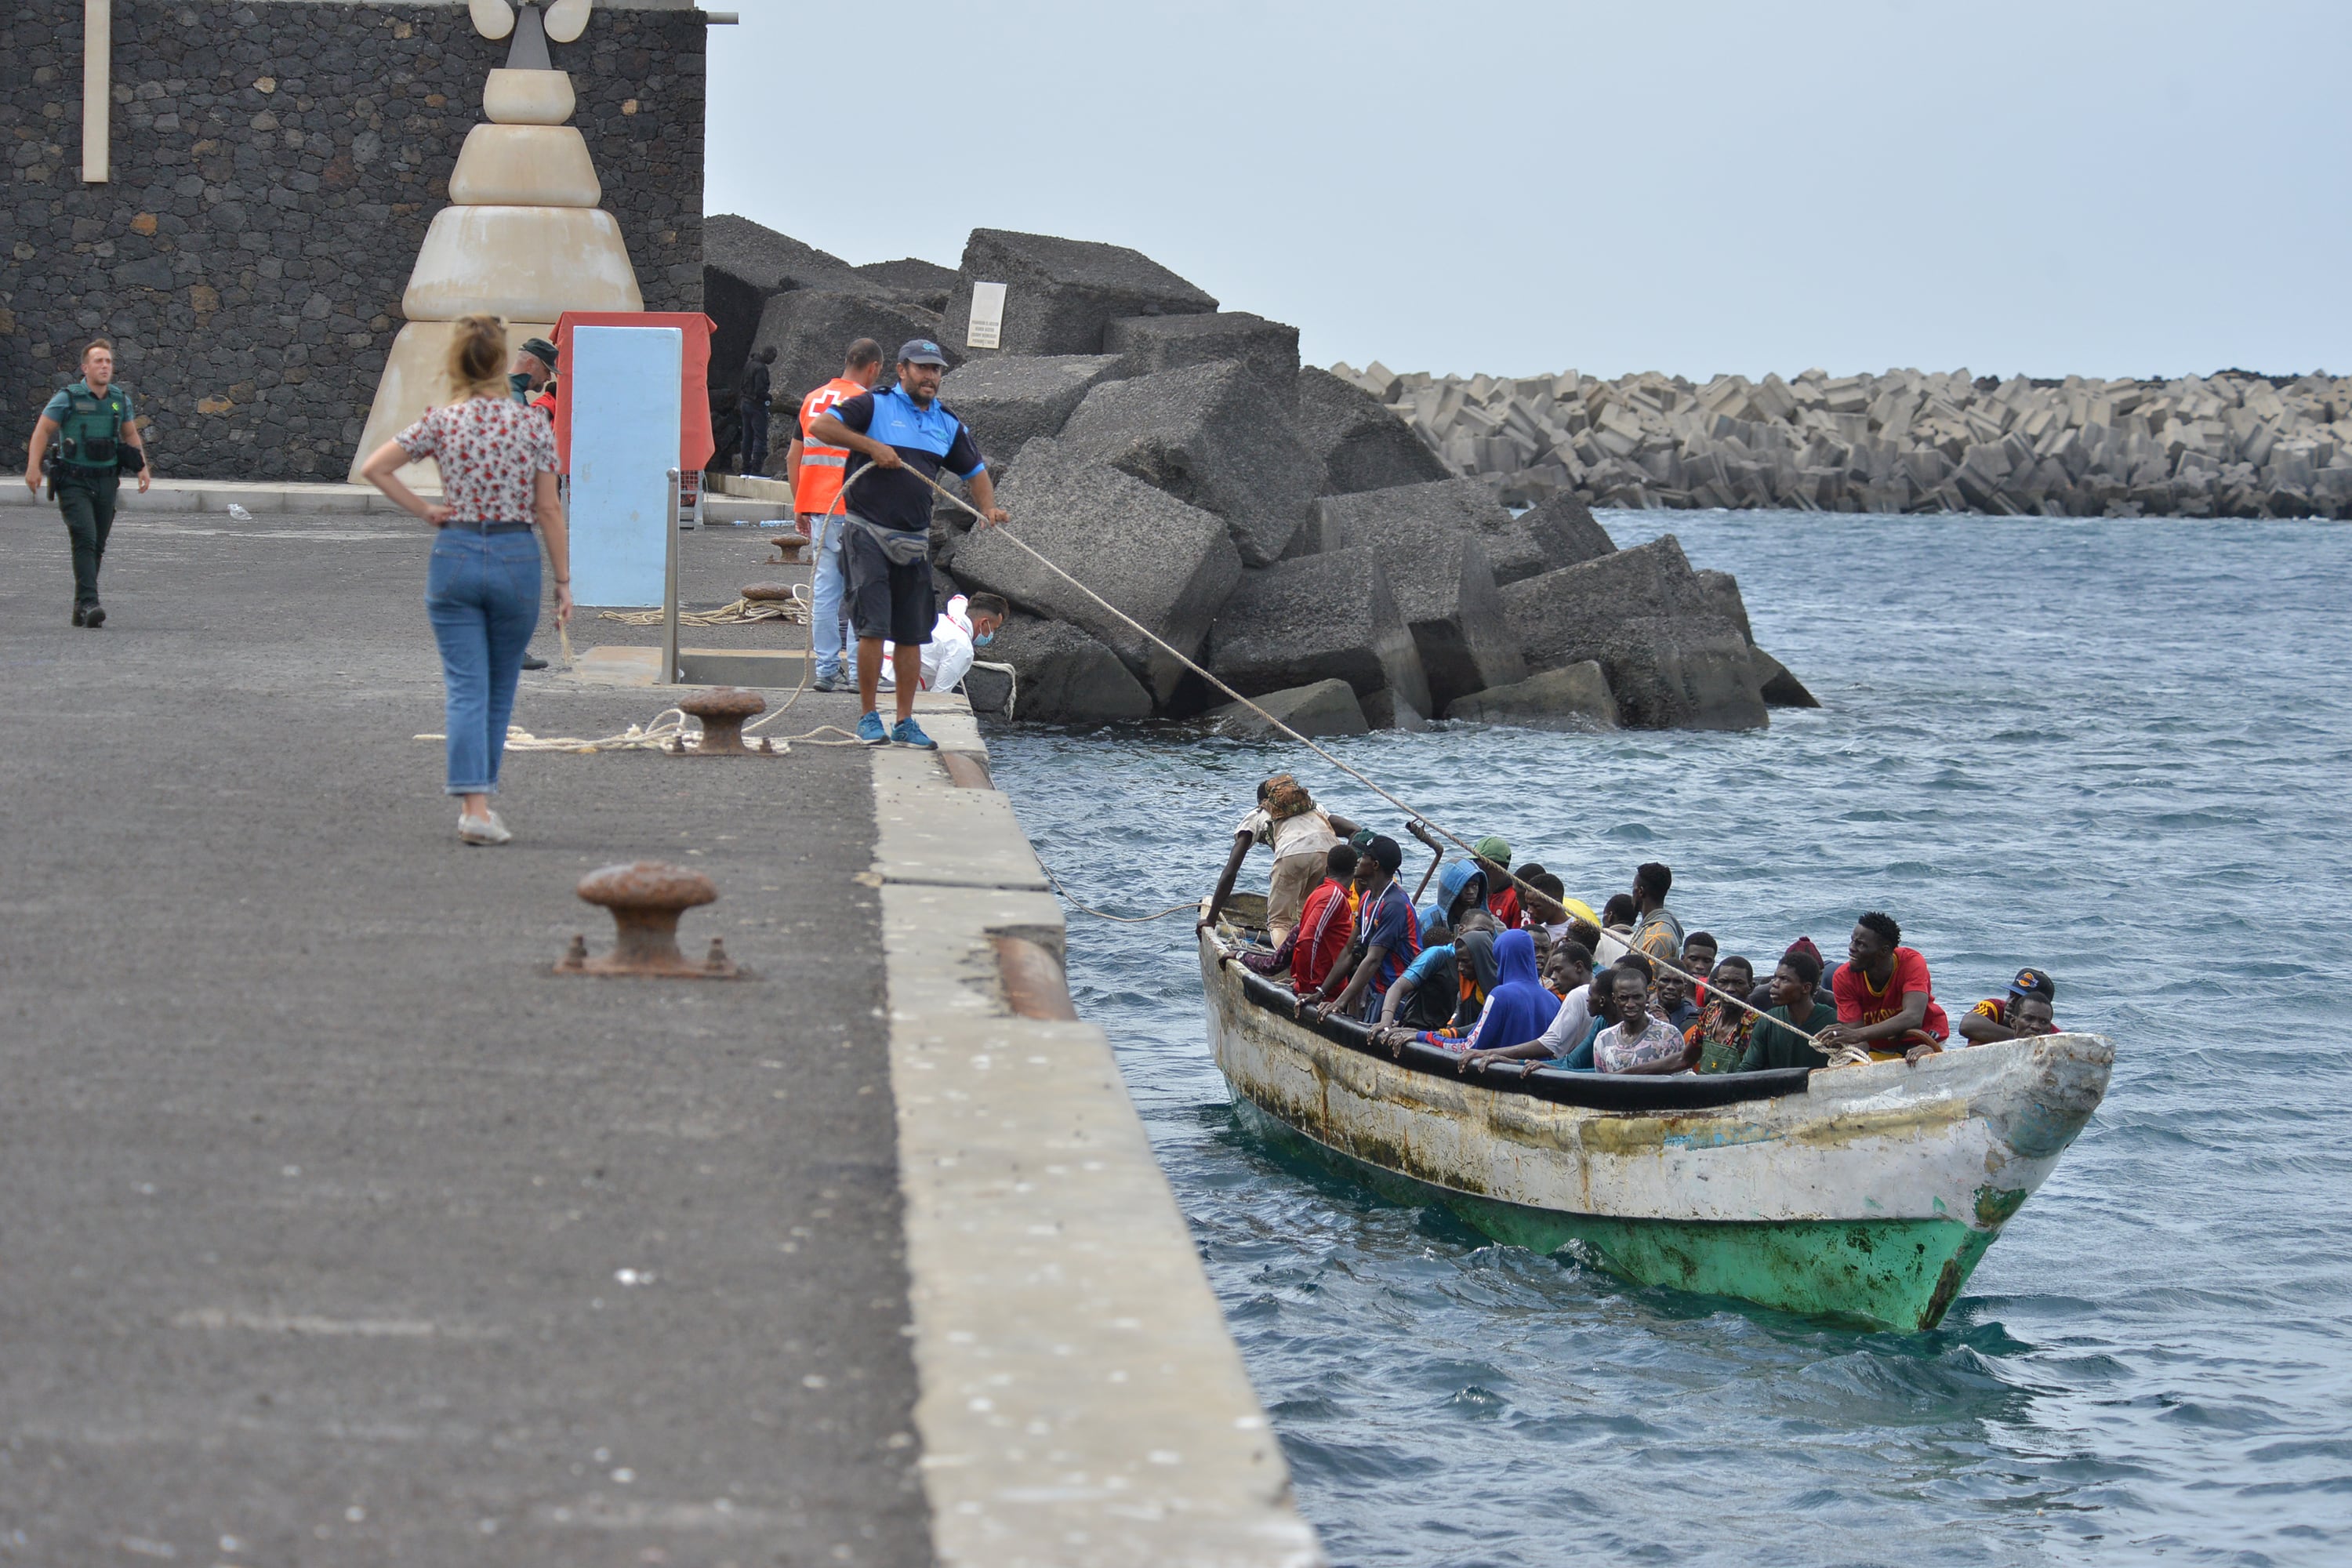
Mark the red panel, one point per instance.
(694, 440)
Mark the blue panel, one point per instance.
(624, 384)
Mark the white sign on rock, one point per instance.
(987, 316)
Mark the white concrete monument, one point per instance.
(522, 236)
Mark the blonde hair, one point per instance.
(478, 357)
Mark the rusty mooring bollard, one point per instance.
(722, 712)
(767, 593)
(646, 899)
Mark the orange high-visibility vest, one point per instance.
(822, 468)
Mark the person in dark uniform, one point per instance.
(751, 408)
(97, 435)
(906, 436)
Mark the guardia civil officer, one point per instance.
(97, 435)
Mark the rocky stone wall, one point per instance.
(2232, 444)
(275, 167)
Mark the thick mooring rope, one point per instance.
(1358, 774)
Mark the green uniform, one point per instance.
(1777, 1044)
(89, 446)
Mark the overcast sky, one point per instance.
(2111, 189)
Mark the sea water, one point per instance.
(2119, 750)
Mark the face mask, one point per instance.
(984, 639)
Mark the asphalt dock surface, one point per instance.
(337, 1230)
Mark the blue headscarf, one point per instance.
(1518, 1009)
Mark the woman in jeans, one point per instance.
(498, 471)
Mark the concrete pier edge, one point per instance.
(1081, 1400)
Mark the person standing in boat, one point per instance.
(1657, 934)
(1287, 821)
(1326, 927)
(1885, 1002)
(1388, 934)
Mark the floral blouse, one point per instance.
(489, 449)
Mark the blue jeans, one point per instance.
(827, 592)
(482, 592)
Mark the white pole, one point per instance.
(671, 674)
(97, 88)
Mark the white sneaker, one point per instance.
(482, 829)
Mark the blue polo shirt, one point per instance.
(927, 439)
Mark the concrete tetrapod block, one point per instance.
(1573, 696)
(1567, 532)
(1168, 566)
(1548, 611)
(812, 329)
(924, 283)
(1672, 661)
(1441, 505)
(1333, 615)
(1268, 350)
(1012, 399)
(1443, 586)
(1060, 294)
(1064, 676)
(1361, 443)
(1387, 711)
(1779, 688)
(1680, 673)
(1721, 589)
(1325, 707)
(745, 265)
(1210, 434)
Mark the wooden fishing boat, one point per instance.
(1867, 1193)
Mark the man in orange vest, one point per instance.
(816, 472)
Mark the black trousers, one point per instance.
(87, 503)
(755, 438)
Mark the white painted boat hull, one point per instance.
(1870, 1192)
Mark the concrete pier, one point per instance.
(338, 1230)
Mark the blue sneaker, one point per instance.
(870, 730)
(907, 732)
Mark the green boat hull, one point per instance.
(1899, 1274)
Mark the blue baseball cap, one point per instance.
(2033, 983)
(921, 351)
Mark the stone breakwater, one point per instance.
(1269, 521)
(2228, 444)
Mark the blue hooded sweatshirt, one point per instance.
(1452, 880)
(1518, 1009)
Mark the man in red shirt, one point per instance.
(1885, 1000)
(1327, 925)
